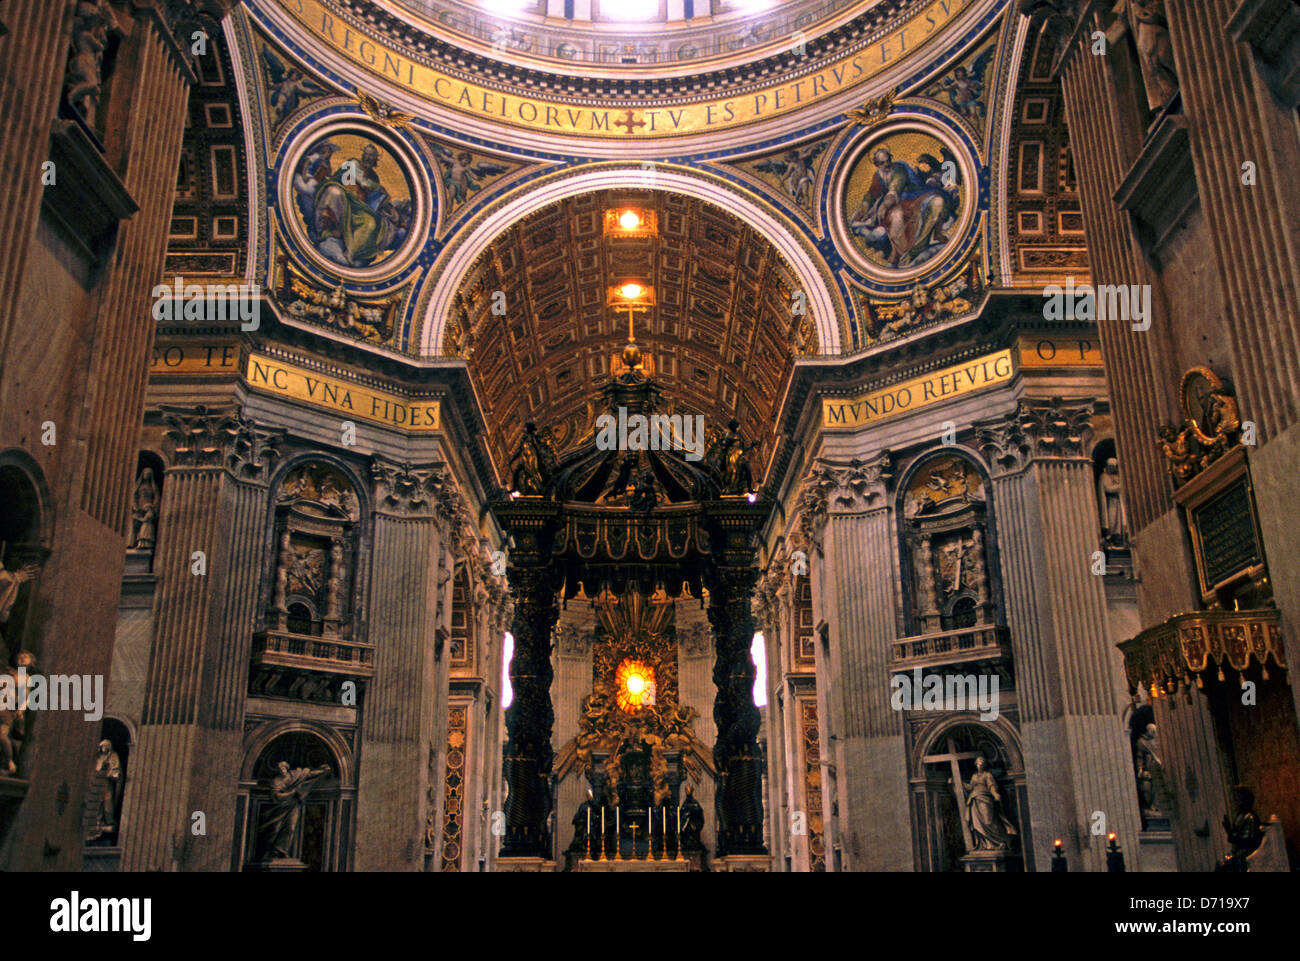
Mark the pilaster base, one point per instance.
(992, 862)
(1157, 851)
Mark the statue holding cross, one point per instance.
(984, 824)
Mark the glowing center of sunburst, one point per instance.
(636, 685)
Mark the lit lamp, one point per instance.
(1114, 856)
(631, 222)
(1059, 864)
(631, 296)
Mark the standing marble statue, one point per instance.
(1110, 504)
(144, 516)
(990, 828)
(1150, 26)
(107, 799)
(289, 790)
(1147, 763)
(85, 74)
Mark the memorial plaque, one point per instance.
(1226, 531)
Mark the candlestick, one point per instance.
(588, 851)
(618, 833)
(679, 835)
(602, 832)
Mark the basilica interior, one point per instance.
(649, 435)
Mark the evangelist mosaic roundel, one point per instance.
(905, 201)
(350, 201)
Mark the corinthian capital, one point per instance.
(1055, 429)
(405, 491)
(840, 487)
(200, 436)
(1036, 430)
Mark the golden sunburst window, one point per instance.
(636, 685)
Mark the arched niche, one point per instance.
(146, 507)
(961, 812)
(109, 776)
(951, 575)
(26, 524)
(296, 801)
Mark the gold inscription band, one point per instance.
(918, 392)
(192, 358)
(349, 400)
(536, 112)
(1055, 350)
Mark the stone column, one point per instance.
(736, 753)
(401, 701)
(191, 727)
(1069, 676)
(530, 717)
(855, 589)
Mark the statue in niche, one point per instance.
(144, 516)
(11, 583)
(1150, 26)
(13, 725)
(289, 790)
(925, 574)
(1114, 524)
(1147, 764)
(107, 795)
(692, 822)
(952, 560)
(990, 828)
(85, 74)
(1244, 832)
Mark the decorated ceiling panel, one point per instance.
(1044, 214)
(539, 335)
